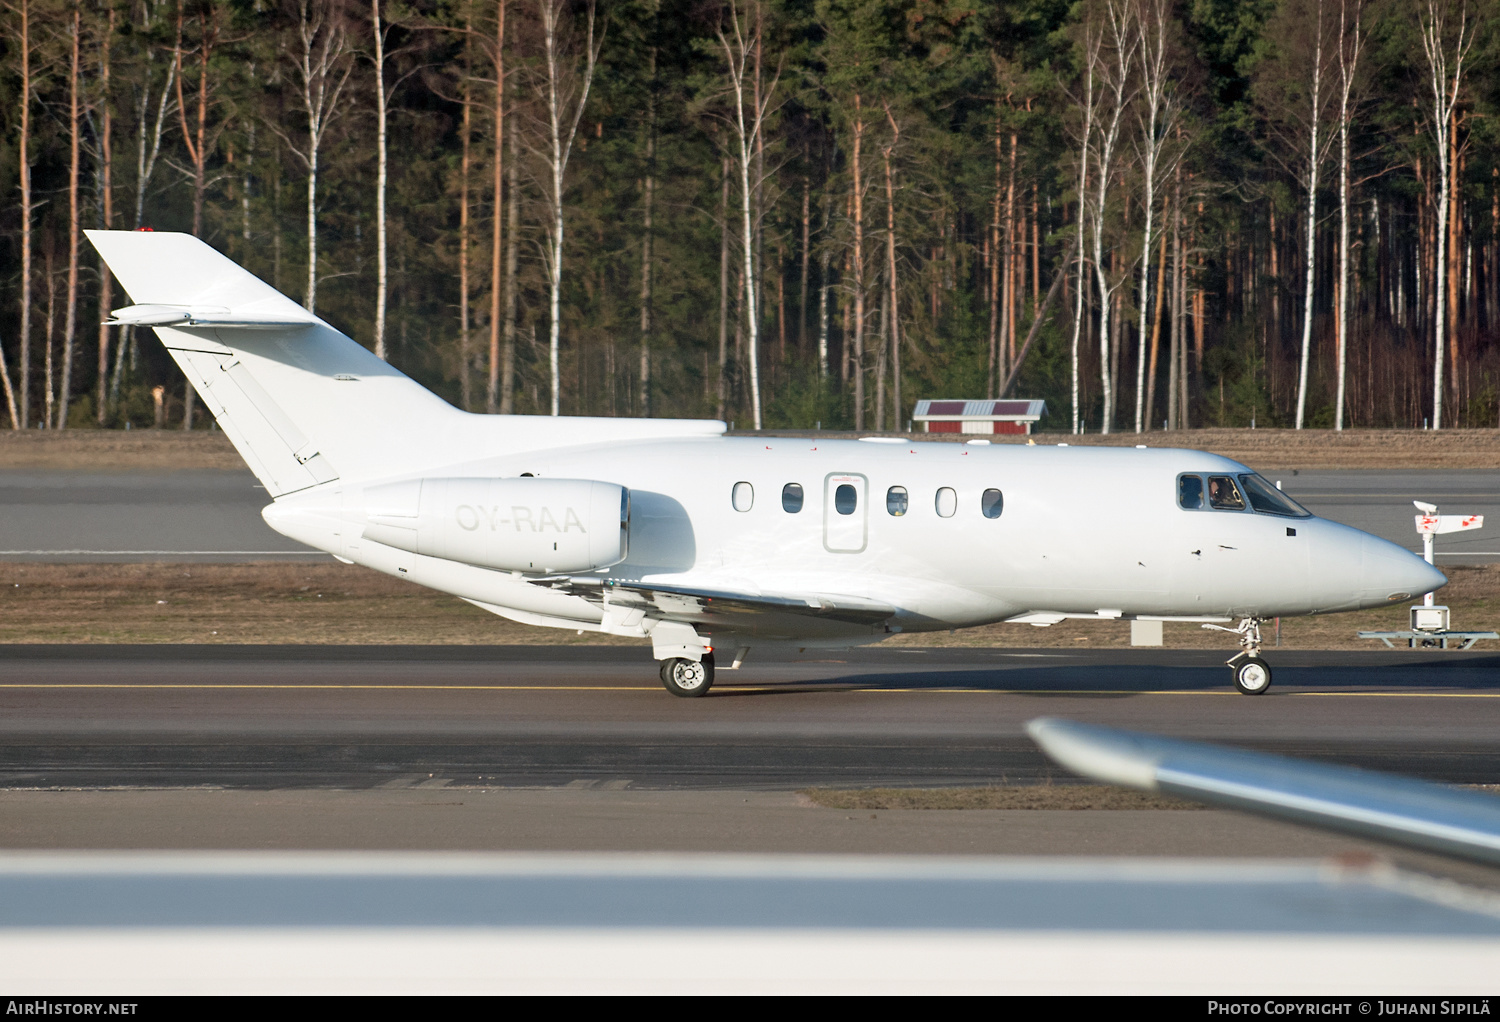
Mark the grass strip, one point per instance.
(1039, 796)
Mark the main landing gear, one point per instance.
(688, 678)
(1252, 675)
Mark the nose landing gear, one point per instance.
(1252, 675)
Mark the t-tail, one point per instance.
(303, 403)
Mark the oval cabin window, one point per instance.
(845, 499)
(896, 501)
(992, 502)
(946, 502)
(743, 496)
(791, 498)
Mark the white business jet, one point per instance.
(668, 530)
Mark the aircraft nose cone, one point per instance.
(1391, 574)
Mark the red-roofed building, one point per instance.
(988, 417)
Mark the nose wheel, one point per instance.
(1252, 675)
(688, 678)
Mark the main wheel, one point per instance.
(688, 678)
(1252, 676)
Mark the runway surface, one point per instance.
(1381, 503)
(596, 717)
(209, 515)
(203, 515)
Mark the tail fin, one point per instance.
(303, 403)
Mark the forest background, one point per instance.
(1152, 214)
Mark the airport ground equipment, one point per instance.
(1431, 625)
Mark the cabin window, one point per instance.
(743, 496)
(1224, 494)
(896, 501)
(845, 499)
(1190, 492)
(1267, 499)
(992, 502)
(791, 498)
(946, 502)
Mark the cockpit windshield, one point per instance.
(1267, 499)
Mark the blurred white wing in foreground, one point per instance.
(1398, 809)
(123, 924)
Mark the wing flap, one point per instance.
(703, 602)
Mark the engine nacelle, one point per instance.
(526, 524)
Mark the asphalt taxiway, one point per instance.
(363, 717)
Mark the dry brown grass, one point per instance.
(113, 450)
(1039, 796)
(335, 603)
(1267, 449)
(269, 602)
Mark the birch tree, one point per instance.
(322, 63)
(565, 94)
(107, 211)
(75, 114)
(1088, 102)
(740, 43)
(1114, 60)
(20, 417)
(382, 99)
(200, 140)
(1157, 112)
(149, 131)
(1296, 86)
(1350, 45)
(1448, 35)
(500, 363)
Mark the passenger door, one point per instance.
(845, 513)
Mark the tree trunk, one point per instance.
(106, 193)
(512, 237)
(70, 314)
(894, 331)
(806, 254)
(1161, 276)
(648, 195)
(24, 161)
(492, 391)
(380, 181)
(561, 139)
(720, 390)
(1313, 164)
(992, 250)
(859, 269)
(465, 341)
(1455, 245)
(1346, 75)
(824, 259)
(1445, 75)
(1008, 265)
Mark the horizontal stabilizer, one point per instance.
(1397, 809)
(214, 316)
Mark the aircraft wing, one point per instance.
(1402, 810)
(712, 602)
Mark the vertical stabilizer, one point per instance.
(303, 403)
